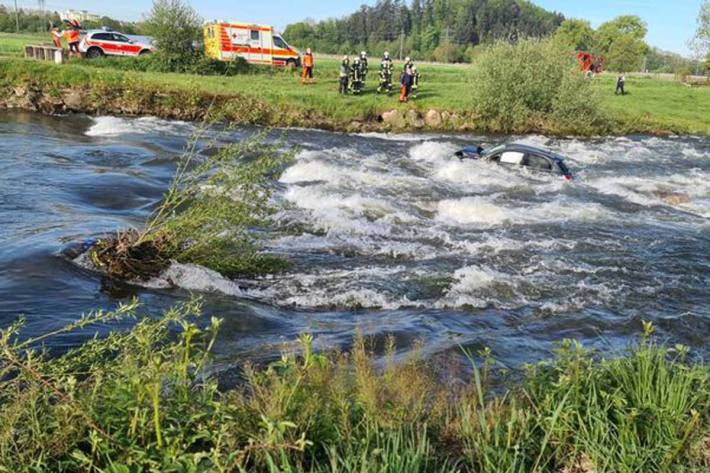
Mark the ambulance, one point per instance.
(257, 44)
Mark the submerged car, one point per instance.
(513, 154)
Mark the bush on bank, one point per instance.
(192, 63)
(144, 400)
(532, 85)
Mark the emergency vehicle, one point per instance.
(104, 42)
(258, 44)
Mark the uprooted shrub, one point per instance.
(535, 85)
(217, 198)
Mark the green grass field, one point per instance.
(12, 44)
(652, 106)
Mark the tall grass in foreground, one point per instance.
(144, 400)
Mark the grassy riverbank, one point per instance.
(144, 400)
(274, 97)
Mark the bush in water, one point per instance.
(218, 196)
(143, 399)
(534, 84)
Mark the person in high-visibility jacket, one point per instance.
(385, 74)
(344, 75)
(415, 81)
(56, 37)
(308, 65)
(73, 38)
(356, 77)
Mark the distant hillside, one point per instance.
(444, 30)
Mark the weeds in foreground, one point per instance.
(217, 197)
(144, 400)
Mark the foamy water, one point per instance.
(386, 234)
(395, 221)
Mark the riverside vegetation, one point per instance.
(218, 196)
(450, 98)
(146, 399)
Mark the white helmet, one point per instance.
(387, 54)
(363, 54)
(345, 58)
(407, 59)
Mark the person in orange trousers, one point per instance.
(308, 65)
(405, 83)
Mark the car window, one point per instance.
(120, 38)
(280, 43)
(255, 35)
(493, 151)
(539, 163)
(511, 157)
(102, 37)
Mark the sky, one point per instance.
(671, 23)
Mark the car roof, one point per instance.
(91, 32)
(522, 148)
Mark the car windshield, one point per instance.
(492, 151)
(280, 43)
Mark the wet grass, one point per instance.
(144, 400)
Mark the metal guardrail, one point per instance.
(45, 53)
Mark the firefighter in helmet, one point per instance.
(385, 74)
(415, 82)
(356, 77)
(344, 75)
(364, 69)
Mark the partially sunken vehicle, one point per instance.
(519, 155)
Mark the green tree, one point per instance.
(701, 40)
(577, 34)
(174, 26)
(626, 54)
(628, 25)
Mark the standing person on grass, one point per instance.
(620, 83)
(405, 84)
(344, 75)
(73, 38)
(308, 65)
(56, 37)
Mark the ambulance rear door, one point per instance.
(256, 44)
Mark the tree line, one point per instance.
(36, 21)
(442, 30)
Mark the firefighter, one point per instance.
(56, 37)
(415, 81)
(620, 83)
(344, 75)
(364, 69)
(308, 65)
(356, 77)
(385, 74)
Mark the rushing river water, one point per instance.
(388, 234)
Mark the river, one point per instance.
(388, 235)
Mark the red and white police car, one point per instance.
(98, 43)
